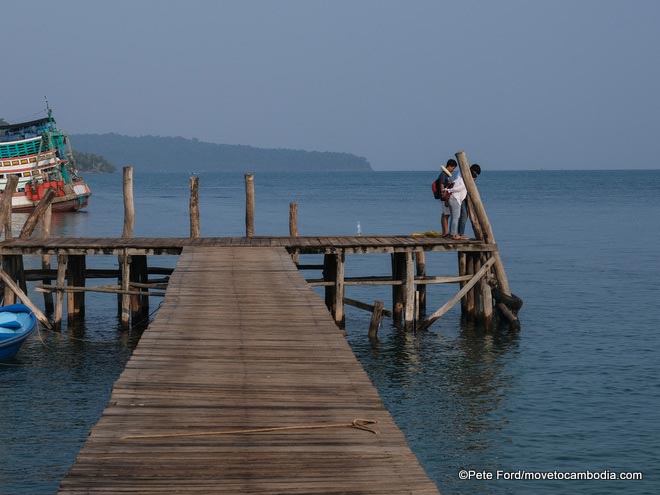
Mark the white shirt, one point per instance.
(459, 191)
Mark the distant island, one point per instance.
(177, 154)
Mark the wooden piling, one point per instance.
(339, 314)
(462, 270)
(129, 206)
(398, 273)
(125, 285)
(293, 225)
(333, 271)
(5, 204)
(376, 318)
(76, 277)
(62, 262)
(46, 224)
(249, 205)
(124, 300)
(139, 274)
(480, 212)
(420, 269)
(409, 292)
(194, 207)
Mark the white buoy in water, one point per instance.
(359, 228)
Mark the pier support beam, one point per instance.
(420, 261)
(76, 277)
(409, 292)
(333, 271)
(140, 274)
(398, 273)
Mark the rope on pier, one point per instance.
(359, 424)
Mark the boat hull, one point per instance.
(17, 322)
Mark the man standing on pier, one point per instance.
(446, 183)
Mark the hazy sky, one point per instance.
(516, 84)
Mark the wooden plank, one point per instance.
(242, 343)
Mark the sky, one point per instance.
(516, 84)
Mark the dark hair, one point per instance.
(451, 163)
(475, 169)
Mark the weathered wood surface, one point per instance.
(242, 343)
(174, 245)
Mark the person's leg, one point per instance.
(455, 207)
(462, 221)
(445, 218)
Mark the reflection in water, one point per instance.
(445, 389)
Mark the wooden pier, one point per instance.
(243, 384)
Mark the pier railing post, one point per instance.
(123, 299)
(340, 317)
(249, 205)
(194, 207)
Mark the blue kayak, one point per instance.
(17, 322)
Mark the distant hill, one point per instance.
(176, 154)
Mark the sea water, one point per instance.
(577, 391)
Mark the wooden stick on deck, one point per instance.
(194, 207)
(249, 205)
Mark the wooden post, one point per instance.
(420, 261)
(194, 207)
(487, 301)
(125, 286)
(469, 296)
(338, 306)
(62, 262)
(376, 318)
(76, 278)
(5, 204)
(39, 211)
(478, 295)
(293, 225)
(398, 273)
(329, 275)
(249, 205)
(409, 292)
(462, 267)
(46, 224)
(129, 223)
(9, 267)
(140, 274)
(129, 206)
(480, 212)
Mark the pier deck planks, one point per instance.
(241, 342)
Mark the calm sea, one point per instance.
(577, 391)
